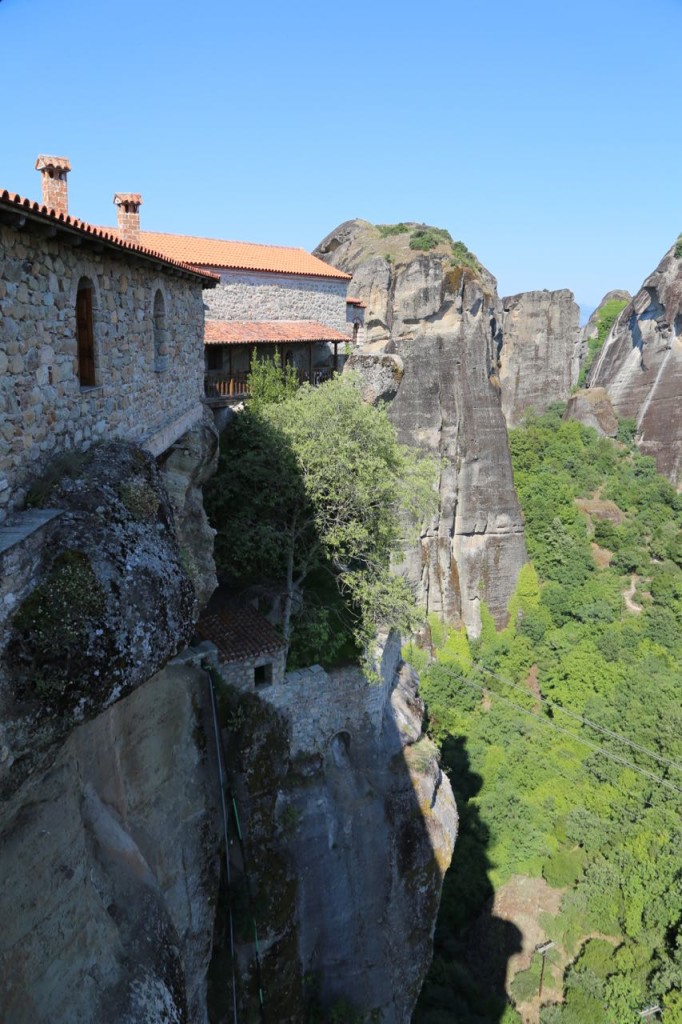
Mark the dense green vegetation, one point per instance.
(678, 248)
(541, 793)
(424, 238)
(310, 499)
(605, 321)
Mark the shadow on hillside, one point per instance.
(466, 982)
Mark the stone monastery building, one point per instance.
(269, 297)
(100, 336)
(103, 330)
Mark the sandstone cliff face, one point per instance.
(539, 358)
(108, 846)
(591, 328)
(640, 366)
(109, 867)
(349, 826)
(442, 319)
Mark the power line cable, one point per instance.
(568, 732)
(585, 721)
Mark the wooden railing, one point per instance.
(221, 387)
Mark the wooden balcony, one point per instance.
(222, 388)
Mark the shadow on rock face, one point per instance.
(349, 826)
(466, 982)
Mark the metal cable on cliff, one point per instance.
(226, 789)
(219, 754)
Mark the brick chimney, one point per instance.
(128, 210)
(53, 171)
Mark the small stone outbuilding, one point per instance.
(251, 653)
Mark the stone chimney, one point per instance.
(128, 210)
(53, 171)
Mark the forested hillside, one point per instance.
(563, 739)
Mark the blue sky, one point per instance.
(545, 136)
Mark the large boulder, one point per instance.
(439, 312)
(592, 407)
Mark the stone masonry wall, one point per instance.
(320, 704)
(43, 408)
(244, 295)
(240, 674)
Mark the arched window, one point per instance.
(85, 334)
(160, 332)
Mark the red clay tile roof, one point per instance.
(356, 302)
(17, 204)
(216, 252)
(264, 332)
(240, 633)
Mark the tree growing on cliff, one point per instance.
(317, 485)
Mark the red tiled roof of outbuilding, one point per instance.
(240, 633)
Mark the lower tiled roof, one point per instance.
(254, 332)
(240, 633)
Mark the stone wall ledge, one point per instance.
(23, 525)
(159, 440)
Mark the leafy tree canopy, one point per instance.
(312, 483)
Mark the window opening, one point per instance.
(160, 332)
(85, 335)
(262, 675)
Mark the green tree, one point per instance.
(317, 483)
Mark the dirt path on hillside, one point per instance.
(630, 593)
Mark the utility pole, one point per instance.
(543, 949)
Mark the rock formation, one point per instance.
(591, 328)
(112, 900)
(640, 365)
(349, 825)
(539, 357)
(109, 866)
(108, 842)
(439, 312)
(593, 408)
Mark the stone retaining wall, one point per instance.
(319, 704)
(43, 408)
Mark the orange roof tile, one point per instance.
(240, 633)
(356, 302)
(255, 332)
(216, 252)
(17, 203)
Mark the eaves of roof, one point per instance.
(228, 255)
(273, 332)
(26, 208)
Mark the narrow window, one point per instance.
(262, 675)
(160, 332)
(85, 335)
